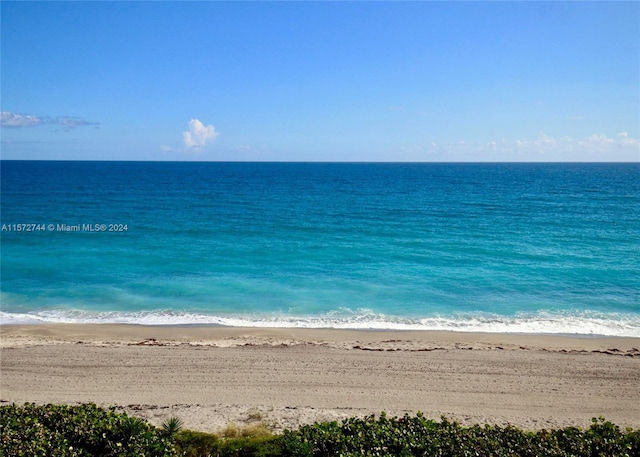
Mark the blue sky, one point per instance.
(321, 81)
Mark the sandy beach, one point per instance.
(213, 376)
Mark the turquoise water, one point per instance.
(532, 248)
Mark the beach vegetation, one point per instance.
(253, 429)
(191, 443)
(172, 426)
(418, 436)
(255, 415)
(88, 430)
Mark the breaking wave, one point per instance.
(579, 323)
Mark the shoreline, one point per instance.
(212, 334)
(211, 376)
(625, 326)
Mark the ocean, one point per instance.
(518, 248)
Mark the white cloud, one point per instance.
(198, 134)
(546, 141)
(626, 141)
(597, 140)
(9, 119)
(69, 123)
(597, 148)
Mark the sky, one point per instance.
(416, 81)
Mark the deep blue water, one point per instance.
(534, 248)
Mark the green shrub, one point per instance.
(82, 430)
(602, 439)
(252, 446)
(197, 444)
(86, 430)
(171, 426)
(417, 436)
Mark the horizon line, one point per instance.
(330, 161)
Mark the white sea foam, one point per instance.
(579, 323)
